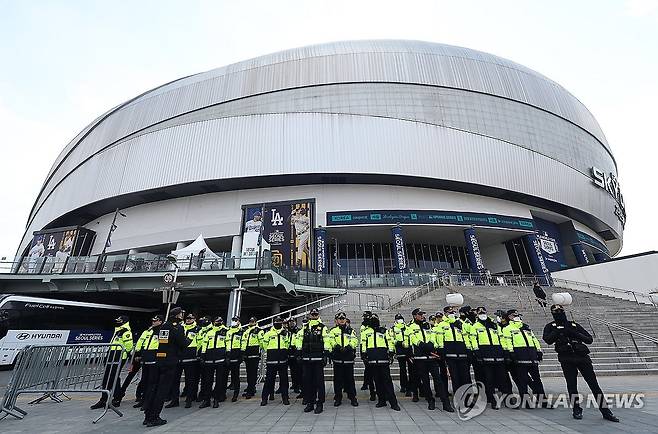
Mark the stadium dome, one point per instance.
(362, 135)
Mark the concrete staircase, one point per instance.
(614, 352)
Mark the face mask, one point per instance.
(234, 323)
(517, 319)
(498, 319)
(278, 326)
(451, 315)
(560, 316)
(400, 321)
(483, 316)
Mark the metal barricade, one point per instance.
(52, 369)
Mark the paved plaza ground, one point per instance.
(74, 416)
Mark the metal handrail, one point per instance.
(305, 307)
(631, 332)
(410, 296)
(569, 284)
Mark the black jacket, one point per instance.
(569, 337)
(171, 343)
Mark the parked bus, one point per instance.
(46, 321)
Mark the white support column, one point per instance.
(236, 250)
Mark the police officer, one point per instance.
(145, 349)
(293, 363)
(234, 351)
(368, 383)
(144, 359)
(467, 316)
(251, 345)
(297, 344)
(314, 354)
(172, 342)
(123, 341)
(489, 356)
(571, 341)
(380, 351)
(441, 362)
(275, 343)
(454, 346)
(189, 364)
(524, 349)
(424, 348)
(343, 343)
(402, 351)
(213, 355)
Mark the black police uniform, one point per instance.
(570, 340)
(171, 345)
(314, 358)
(293, 363)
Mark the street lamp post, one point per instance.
(108, 240)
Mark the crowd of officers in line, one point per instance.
(500, 349)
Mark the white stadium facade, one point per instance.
(361, 158)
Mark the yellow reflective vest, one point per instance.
(122, 336)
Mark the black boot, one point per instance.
(354, 402)
(337, 402)
(172, 404)
(607, 415)
(263, 403)
(415, 398)
(577, 413)
(380, 404)
(99, 404)
(395, 407)
(138, 404)
(205, 404)
(215, 403)
(235, 397)
(308, 408)
(285, 400)
(373, 396)
(447, 406)
(431, 405)
(318, 408)
(156, 422)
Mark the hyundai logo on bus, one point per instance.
(23, 336)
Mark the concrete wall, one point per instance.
(219, 214)
(635, 273)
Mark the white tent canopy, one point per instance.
(195, 249)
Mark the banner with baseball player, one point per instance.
(287, 228)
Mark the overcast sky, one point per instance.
(65, 62)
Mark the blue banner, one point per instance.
(473, 248)
(592, 242)
(581, 254)
(399, 250)
(601, 257)
(550, 242)
(89, 336)
(346, 218)
(321, 250)
(535, 254)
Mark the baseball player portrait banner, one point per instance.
(287, 227)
